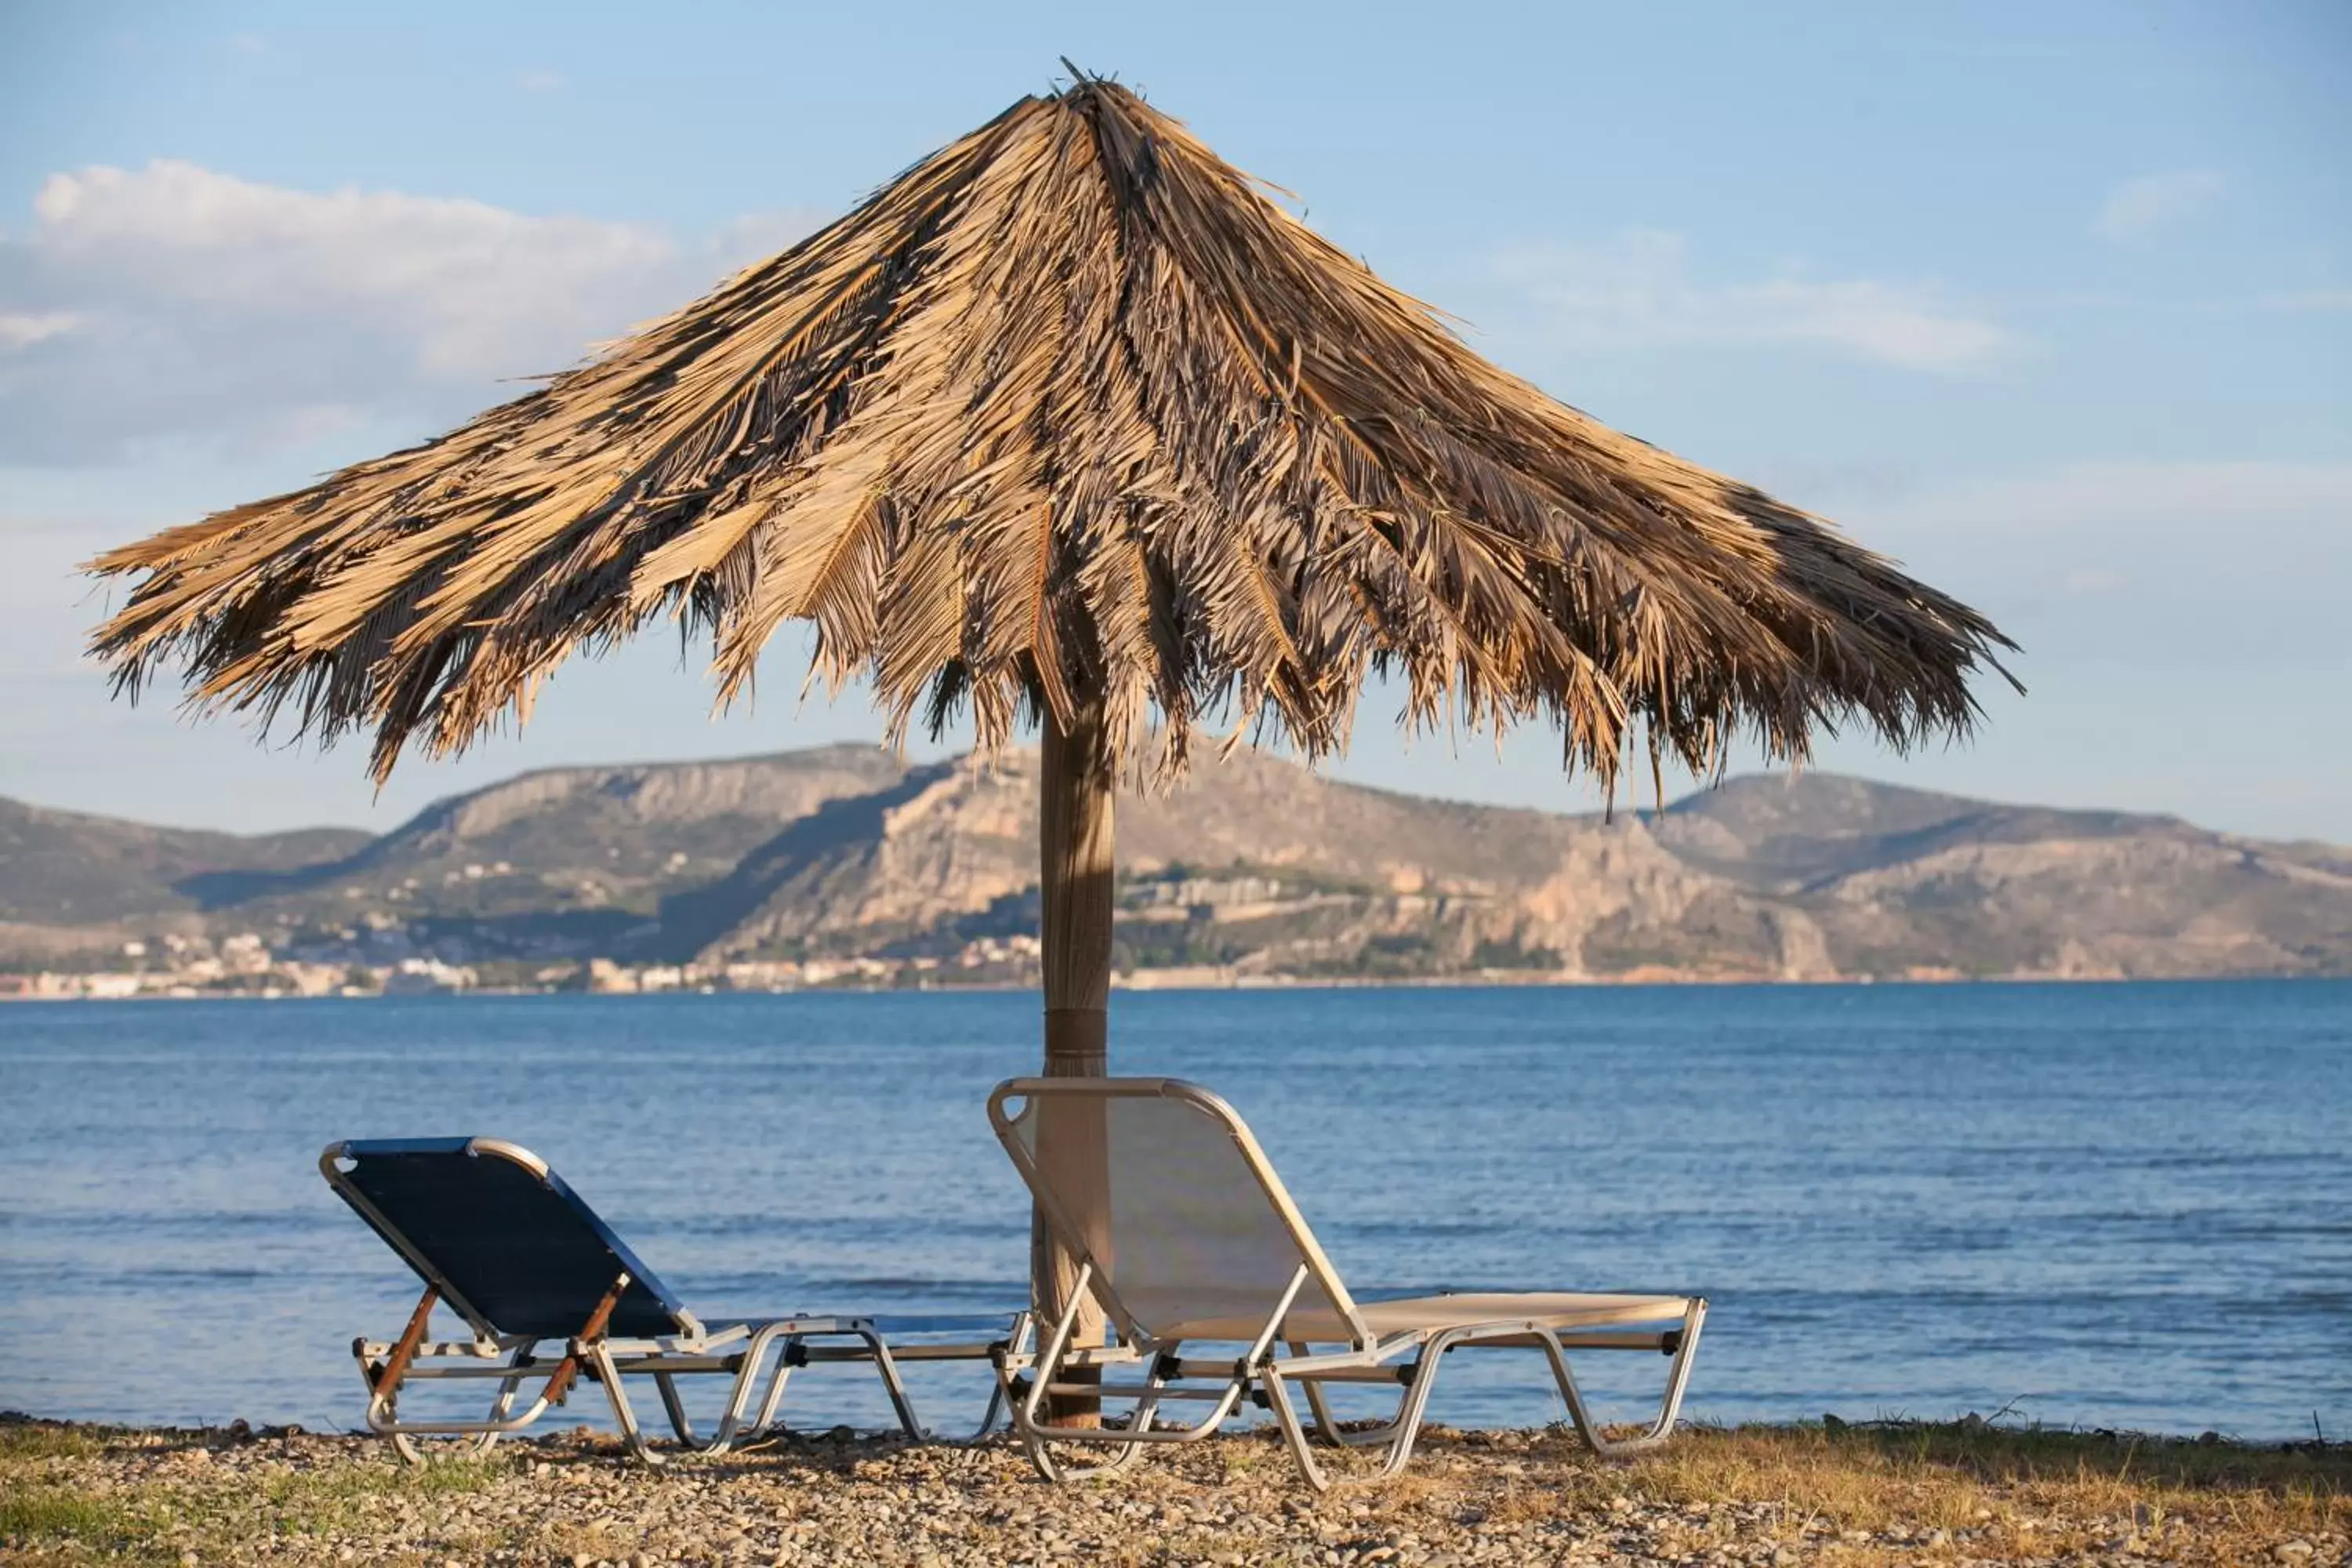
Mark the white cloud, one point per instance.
(2149, 204)
(2159, 565)
(23, 330)
(1639, 287)
(176, 301)
(539, 78)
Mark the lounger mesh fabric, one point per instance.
(1192, 1242)
(519, 1249)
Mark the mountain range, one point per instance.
(1254, 869)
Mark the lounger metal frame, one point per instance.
(759, 1353)
(1267, 1369)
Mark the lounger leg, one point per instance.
(1330, 1431)
(1057, 1345)
(739, 1397)
(384, 1387)
(1278, 1395)
(1326, 1428)
(999, 1393)
(1415, 1405)
(1669, 1407)
(1399, 1434)
(674, 1408)
(987, 1417)
(1586, 1428)
(589, 1346)
(1000, 1402)
(1127, 1455)
(891, 1382)
(610, 1377)
(502, 1405)
(1038, 1440)
(786, 1359)
(1261, 1364)
(1147, 1409)
(402, 1443)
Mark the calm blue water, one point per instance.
(2105, 1204)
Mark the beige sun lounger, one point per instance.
(1200, 1245)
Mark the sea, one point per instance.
(2092, 1205)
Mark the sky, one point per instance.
(2052, 304)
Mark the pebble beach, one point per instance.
(1842, 1495)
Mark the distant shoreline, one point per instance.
(1498, 982)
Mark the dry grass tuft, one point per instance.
(2022, 1492)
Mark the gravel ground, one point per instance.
(73, 1494)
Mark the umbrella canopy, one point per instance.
(1072, 412)
(1070, 419)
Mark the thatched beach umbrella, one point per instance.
(1069, 422)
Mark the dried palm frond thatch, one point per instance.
(1068, 415)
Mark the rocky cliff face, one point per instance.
(1255, 868)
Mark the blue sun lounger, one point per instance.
(503, 1242)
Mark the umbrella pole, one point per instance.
(1073, 821)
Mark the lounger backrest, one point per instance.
(1198, 1228)
(511, 1249)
